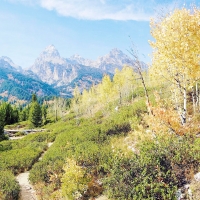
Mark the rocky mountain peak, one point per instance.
(8, 63)
(50, 51)
(80, 60)
(76, 56)
(116, 51)
(49, 55)
(8, 60)
(114, 59)
(65, 73)
(118, 55)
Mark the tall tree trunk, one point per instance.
(197, 97)
(138, 67)
(183, 115)
(145, 90)
(193, 101)
(120, 97)
(176, 100)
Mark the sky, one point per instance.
(90, 28)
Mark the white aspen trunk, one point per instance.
(177, 104)
(176, 100)
(193, 101)
(182, 108)
(197, 97)
(183, 115)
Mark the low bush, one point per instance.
(163, 165)
(9, 188)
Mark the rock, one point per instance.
(179, 194)
(197, 176)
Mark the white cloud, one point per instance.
(139, 10)
(94, 9)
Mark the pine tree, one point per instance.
(34, 98)
(35, 113)
(2, 136)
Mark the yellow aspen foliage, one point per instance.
(124, 81)
(73, 181)
(105, 90)
(77, 95)
(99, 97)
(176, 47)
(176, 52)
(85, 100)
(76, 101)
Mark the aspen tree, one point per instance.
(118, 83)
(138, 68)
(76, 102)
(105, 90)
(176, 51)
(124, 81)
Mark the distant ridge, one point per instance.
(52, 74)
(14, 85)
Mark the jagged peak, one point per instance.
(51, 51)
(50, 48)
(116, 51)
(10, 62)
(75, 56)
(7, 59)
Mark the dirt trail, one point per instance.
(27, 192)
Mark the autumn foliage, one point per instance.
(165, 119)
(176, 57)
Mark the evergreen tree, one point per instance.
(9, 114)
(2, 136)
(22, 116)
(35, 113)
(34, 98)
(15, 115)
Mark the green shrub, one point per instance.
(9, 188)
(5, 145)
(163, 165)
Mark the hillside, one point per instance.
(132, 136)
(107, 144)
(16, 86)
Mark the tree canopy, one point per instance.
(176, 52)
(35, 113)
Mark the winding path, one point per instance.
(27, 192)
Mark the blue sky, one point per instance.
(90, 28)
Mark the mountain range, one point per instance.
(52, 74)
